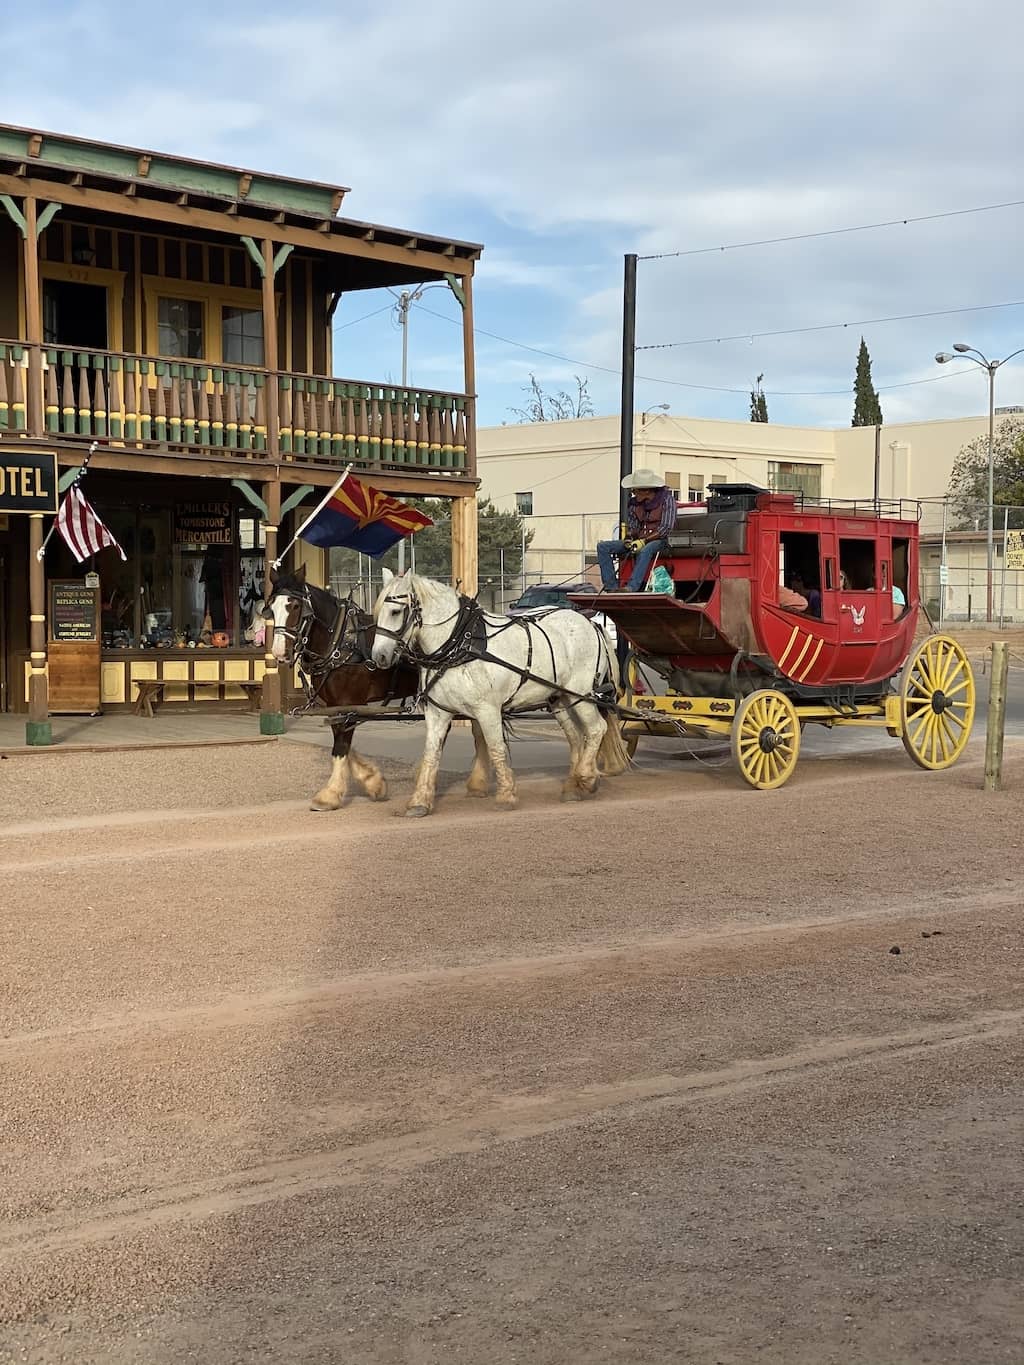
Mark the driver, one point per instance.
(650, 517)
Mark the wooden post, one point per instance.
(464, 544)
(270, 356)
(37, 729)
(271, 711)
(33, 321)
(996, 716)
(469, 368)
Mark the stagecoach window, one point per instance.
(799, 552)
(857, 562)
(901, 566)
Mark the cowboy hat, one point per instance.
(643, 478)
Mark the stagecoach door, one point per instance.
(856, 581)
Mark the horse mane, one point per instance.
(428, 590)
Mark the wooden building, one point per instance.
(180, 314)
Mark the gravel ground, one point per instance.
(637, 1080)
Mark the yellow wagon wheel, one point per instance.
(937, 702)
(765, 739)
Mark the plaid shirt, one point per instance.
(654, 519)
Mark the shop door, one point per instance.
(75, 314)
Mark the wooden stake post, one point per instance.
(996, 717)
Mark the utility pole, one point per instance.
(628, 375)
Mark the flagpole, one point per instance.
(276, 563)
(76, 480)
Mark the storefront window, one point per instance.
(180, 324)
(242, 336)
(193, 576)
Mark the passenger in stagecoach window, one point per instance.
(790, 600)
(650, 517)
(899, 601)
(809, 592)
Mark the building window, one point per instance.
(242, 336)
(524, 504)
(695, 487)
(716, 479)
(180, 328)
(789, 477)
(672, 481)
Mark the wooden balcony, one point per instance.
(194, 409)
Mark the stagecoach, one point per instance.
(738, 656)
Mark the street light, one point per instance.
(975, 356)
(656, 407)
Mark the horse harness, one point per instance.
(468, 643)
(345, 646)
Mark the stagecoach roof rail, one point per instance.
(891, 509)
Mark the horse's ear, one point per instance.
(274, 575)
(301, 575)
(386, 575)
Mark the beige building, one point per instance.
(564, 479)
(564, 476)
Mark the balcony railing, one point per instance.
(191, 407)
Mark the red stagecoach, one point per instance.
(739, 656)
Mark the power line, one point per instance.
(829, 326)
(832, 232)
(681, 384)
(376, 313)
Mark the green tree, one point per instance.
(968, 481)
(758, 402)
(867, 411)
(554, 407)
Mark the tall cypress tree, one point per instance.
(867, 411)
(758, 402)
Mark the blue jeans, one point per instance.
(641, 565)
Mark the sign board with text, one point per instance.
(204, 523)
(28, 481)
(1015, 549)
(73, 652)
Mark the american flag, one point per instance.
(81, 527)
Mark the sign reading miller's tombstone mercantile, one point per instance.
(203, 523)
(28, 481)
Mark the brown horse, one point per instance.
(331, 641)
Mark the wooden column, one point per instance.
(469, 373)
(270, 357)
(272, 711)
(464, 544)
(37, 729)
(33, 321)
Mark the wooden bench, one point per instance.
(151, 694)
(254, 693)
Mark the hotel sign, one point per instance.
(28, 481)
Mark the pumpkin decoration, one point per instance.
(220, 639)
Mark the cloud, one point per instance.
(565, 135)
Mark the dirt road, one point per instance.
(638, 1080)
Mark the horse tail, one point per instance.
(612, 756)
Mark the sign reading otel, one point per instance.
(28, 481)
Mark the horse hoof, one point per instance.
(506, 802)
(321, 804)
(378, 793)
(417, 812)
(572, 794)
(479, 792)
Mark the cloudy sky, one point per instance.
(562, 135)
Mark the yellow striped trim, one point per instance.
(800, 657)
(811, 662)
(792, 640)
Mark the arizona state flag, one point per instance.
(361, 518)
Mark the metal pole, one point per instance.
(943, 568)
(996, 717)
(878, 465)
(628, 367)
(501, 573)
(1002, 587)
(403, 316)
(523, 561)
(991, 480)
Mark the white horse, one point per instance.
(565, 656)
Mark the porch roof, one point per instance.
(82, 164)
